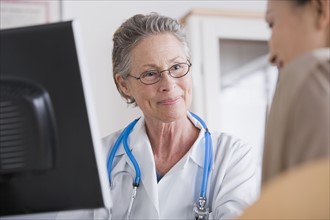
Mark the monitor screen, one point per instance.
(50, 147)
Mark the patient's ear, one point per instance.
(322, 7)
(122, 84)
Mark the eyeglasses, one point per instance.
(153, 76)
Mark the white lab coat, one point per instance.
(233, 183)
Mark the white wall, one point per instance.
(99, 20)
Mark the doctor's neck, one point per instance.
(170, 141)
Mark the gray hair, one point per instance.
(131, 32)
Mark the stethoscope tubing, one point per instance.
(133, 160)
(207, 157)
(123, 137)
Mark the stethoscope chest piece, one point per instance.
(201, 212)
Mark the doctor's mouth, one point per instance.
(170, 101)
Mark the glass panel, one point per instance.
(236, 53)
(247, 86)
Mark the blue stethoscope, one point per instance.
(200, 210)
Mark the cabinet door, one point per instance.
(205, 34)
(233, 82)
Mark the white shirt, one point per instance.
(233, 183)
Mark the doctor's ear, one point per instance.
(122, 84)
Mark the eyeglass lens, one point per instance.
(176, 71)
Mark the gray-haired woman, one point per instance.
(151, 68)
(166, 164)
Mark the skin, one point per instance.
(164, 104)
(296, 29)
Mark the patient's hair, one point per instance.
(301, 2)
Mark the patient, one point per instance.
(297, 130)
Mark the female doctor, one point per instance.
(166, 164)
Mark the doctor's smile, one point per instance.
(170, 101)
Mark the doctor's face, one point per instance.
(170, 98)
(294, 30)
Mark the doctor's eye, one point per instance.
(150, 74)
(177, 67)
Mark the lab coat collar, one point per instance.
(197, 150)
(196, 153)
(139, 129)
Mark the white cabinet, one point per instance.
(233, 82)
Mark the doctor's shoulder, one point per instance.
(227, 143)
(232, 152)
(235, 175)
(109, 140)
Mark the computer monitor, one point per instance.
(50, 148)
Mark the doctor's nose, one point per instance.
(167, 82)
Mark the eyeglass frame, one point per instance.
(161, 73)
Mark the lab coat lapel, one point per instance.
(197, 151)
(120, 166)
(141, 149)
